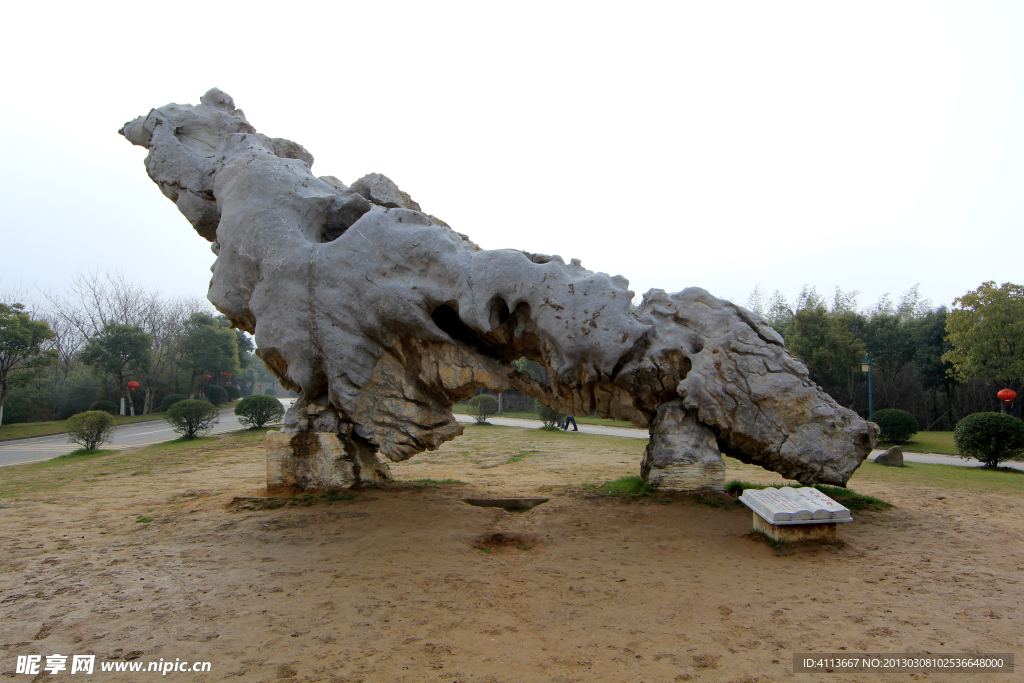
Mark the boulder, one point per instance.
(382, 317)
(891, 458)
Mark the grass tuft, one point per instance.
(433, 482)
(625, 487)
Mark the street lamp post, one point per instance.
(866, 367)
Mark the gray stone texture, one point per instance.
(381, 316)
(890, 458)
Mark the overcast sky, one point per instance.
(869, 146)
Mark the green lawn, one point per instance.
(929, 442)
(463, 409)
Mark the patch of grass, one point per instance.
(522, 455)
(928, 442)
(486, 551)
(141, 519)
(549, 428)
(772, 542)
(303, 500)
(711, 500)
(433, 482)
(625, 487)
(856, 502)
(524, 547)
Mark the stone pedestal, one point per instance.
(796, 533)
(321, 461)
(683, 453)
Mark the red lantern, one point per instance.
(133, 385)
(226, 374)
(207, 376)
(1006, 395)
(259, 385)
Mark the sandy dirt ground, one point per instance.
(410, 583)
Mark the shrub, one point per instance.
(548, 416)
(192, 418)
(170, 400)
(106, 406)
(990, 437)
(215, 395)
(898, 426)
(233, 392)
(256, 411)
(482, 407)
(269, 392)
(90, 429)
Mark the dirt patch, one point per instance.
(394, 584)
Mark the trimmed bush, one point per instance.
(483, 406)
(192, 418)
(232, 391)
(215, 395)
(898, 426)
(548, 416)
(269, 392)
(990, 438)
(256, 411)
(170, 400)
(106, 406)
(90, 429)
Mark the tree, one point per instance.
(119, 351)
(21, 346)
(256, 411)
(990, 438)
(207, 348)
(986, 331)
(90, 429)
(826, 342)
(482, 407)
(192, 418)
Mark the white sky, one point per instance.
(869, 146)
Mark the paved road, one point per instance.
(24, 451)
(928, 458)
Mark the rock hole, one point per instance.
(508, 504)
(505, 540)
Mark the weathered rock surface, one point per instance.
(381, 316)
(890, 458)
(683, 454)
(321, 460)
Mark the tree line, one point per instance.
(94, 341)
(937, 363)
(106, 339)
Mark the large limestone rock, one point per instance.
(382, 316)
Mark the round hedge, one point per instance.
(215, 394)
(483, 406)
(898, 426)
(90, 429)
(233, 391)
(105, 406)
(192, 418)
(269, 392)
(548, 416)
(170, 400)
(990, 438)
(256, 411)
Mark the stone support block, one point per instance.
(796, 533)
(321, 461)
(683, 453)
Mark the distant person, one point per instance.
(568, 419)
